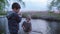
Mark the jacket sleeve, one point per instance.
(17, 18)
(23, 23)
(9, 16)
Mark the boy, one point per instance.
(14, 19)
(27, 25)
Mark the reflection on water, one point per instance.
(39, 26)
(55, 27)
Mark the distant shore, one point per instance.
(49, 16)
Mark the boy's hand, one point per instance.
(23, 27)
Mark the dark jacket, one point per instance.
(13, 22)
(27, 26)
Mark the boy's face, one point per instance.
(28, 20)
(16, 10)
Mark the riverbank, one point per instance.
(50, 16)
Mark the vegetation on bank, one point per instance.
(3, 13)
(39, 15)
(36, 15)
(1, 31)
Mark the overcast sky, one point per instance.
(37, 5)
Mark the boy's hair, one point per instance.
(16, 5)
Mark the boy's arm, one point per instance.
(30, 27)
(23, 24)
(14, 16)
(17, 18)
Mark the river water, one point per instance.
(39, 26)
(43, 27)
